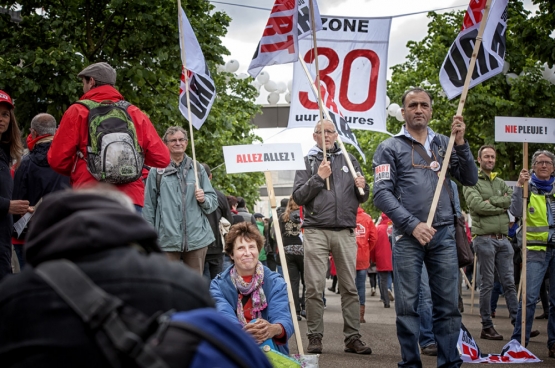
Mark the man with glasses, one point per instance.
(488, 202)
(176, 208)
(406, 169)
(540, 242)
(329, 226)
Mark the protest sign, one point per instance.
(531, 130)
(263, 157)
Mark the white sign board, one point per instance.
(352, 55)
(263, 157)
(531, 130)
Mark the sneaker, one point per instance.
(390, 293)
(314, 344)
(356, 345)
(373, 292)
(430, 350)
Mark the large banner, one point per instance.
(490, 59)
(352, 56)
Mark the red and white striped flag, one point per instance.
(491, 56)
(202, 90)
(288, 23)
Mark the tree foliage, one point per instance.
(529, 95)
(41, 56)
(537, 35)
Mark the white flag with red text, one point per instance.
(491, 56)
(512, 352)
(288, 23)
(202, 90)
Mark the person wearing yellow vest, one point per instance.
(540, 243)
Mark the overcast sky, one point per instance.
(247, 24)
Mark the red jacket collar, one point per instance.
(102, 93)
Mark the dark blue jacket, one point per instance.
(225, 295)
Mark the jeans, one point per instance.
(360, 281)
(213, 264)
(537, 264)
(318, 243)
(384, 282)
(495, 254)
(372, 277)
(425, 306)
(440, 258)
(495, 293)
(295, 266)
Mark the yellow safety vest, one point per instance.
(537, 231)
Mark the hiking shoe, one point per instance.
(552, 351)
(314, 344)
(390, 293)
(356, 345)
(490, 334)
(430, 350)
(534, 333)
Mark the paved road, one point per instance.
(379, 331)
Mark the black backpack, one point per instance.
(113, 152)
(128, 338)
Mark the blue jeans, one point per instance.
(495, 293)
(361, 286)
(425, 306)
(440, 258)
(537, 264)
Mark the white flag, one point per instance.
(288, 23)
(202, 90)
(491, 56)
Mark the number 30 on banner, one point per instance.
(327, 78)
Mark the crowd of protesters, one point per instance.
(174, 210)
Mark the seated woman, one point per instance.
(248, 291)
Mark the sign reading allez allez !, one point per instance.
(353, 55)
(263, 157)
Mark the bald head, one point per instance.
(329, 130)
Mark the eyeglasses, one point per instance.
(180, 140)
(328, 132)
(434, 164)
(544, 163)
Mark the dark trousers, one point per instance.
(213, 265)
(295, 265)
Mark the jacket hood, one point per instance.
(103, 93)
(72, 224)
(39, 152)
(385, 219)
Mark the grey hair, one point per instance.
(44, 124)
(542, 152)
(172, 130)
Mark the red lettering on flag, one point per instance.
(476, 7)
(278, 46)
(278, 25)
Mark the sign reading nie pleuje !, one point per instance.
(263, 157)
(531, 130)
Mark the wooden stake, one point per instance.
(459, 112)
(473, 284)
(341, 145)
(184, 70)
(281, 252)
(320, 104)
(524, 243)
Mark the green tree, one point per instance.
(529, 95)
(41, 56)
(537, 32)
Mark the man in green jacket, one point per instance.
(176, 208)
(488, 202)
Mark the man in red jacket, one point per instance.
(72, 135)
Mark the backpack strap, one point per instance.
(98, 310)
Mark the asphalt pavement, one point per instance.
(380, 333)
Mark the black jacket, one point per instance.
(404, 192)
(117, 249)
(6, 224)
(214, 219)
(334, 208)
(34, 178)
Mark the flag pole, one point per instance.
(462, 101)
(341, 145)
(185, 72)
(524, 247)
(319, 94)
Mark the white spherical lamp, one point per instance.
(270, 86)
(273, 98)
(288, 97)
(242, 76)
(281, 87)
(232, 66)
(263, 77)
(387, 101)
(392, 109)
(399, 115)
(510, 77)
(290, 86)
